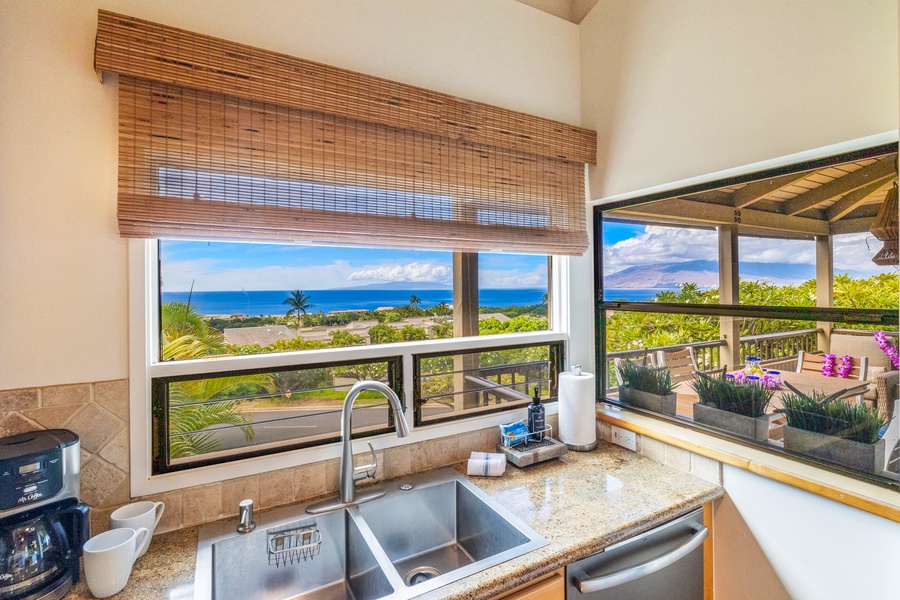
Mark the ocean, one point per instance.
(633, 294)
(271, 302)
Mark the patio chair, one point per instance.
(879, 363)
(681, 363)
(812, 363)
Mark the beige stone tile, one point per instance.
(604, 431)
(173, 514)
(706, 468)
(418, 456)
(20, 399)
(651, 448)
(14, 423)
(314, 479)
(396, 462)
(85, 457)
(60, 395)
(116, 451)
(53, 417)
(490, 439)
(201, 504)
(119, 496)
(113, 396)
(276, 488)
(444, 451)
(95, 426)
(469, 442)
(678, 458)
(99, 479)
(235, 490)
(100, 519)
(332, 475)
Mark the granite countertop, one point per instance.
(580, 505)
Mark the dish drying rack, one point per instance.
(290, 545)
(524, 443)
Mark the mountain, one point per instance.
(412, 286)
(705, 273)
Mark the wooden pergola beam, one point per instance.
(840, 186)
(757, 190)
(687, 212)
(848, 203)
(844, 226)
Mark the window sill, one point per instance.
(858, 494)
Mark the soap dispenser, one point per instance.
(536, 417)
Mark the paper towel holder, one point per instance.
(577, 372)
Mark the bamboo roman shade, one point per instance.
(223, 141)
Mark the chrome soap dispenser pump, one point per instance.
(536, 417)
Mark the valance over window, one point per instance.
(223, 141)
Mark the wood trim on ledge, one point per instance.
(760, 462)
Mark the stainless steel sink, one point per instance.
(427, 531)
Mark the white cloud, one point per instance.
(513, 278)
(658, 245)
(413, 272)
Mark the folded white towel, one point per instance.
(486, 464)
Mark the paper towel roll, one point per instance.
(577, 416)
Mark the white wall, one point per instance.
(819, 549)
(63, 271)
(677, 89)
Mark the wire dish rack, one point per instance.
(292, 544)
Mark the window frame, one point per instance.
(864, 148)
(145, 366)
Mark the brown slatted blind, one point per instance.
(196, 162)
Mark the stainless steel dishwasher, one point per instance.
(665, 562)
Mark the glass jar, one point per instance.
(753, 368)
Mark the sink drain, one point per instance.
(420, 575)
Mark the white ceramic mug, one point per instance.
(144, 514)
(108, 558)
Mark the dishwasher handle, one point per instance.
(595, 584)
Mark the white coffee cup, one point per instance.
(108, 558)
(144, 514)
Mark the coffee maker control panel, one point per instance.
(36, 468)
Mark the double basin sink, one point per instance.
(425, 532)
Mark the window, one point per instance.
(776, 268)
(222, 391)
(221, 298)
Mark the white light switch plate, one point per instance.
(624, 438)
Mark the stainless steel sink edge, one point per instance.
(211, 534)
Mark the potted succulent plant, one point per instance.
(832, 429)
(647, 387)
(734, 405)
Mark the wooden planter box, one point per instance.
(868, 458)
(661, 404)
(756, 428)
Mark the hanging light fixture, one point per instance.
(884, 227)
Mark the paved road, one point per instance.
(279, 425)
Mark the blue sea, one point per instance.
(633, 294)
(271, 302)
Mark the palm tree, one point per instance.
(299, 303)
(415, 301)
(197, 406)
(442, 309)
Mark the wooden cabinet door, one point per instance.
(551, 587)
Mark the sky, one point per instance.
(627, 245)
(214, 266)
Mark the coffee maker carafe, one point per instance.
(42, 524)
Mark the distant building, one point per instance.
(261, 336)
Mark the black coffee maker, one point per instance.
(42, 524)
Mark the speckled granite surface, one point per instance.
(592, 500)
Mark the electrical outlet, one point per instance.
(623, 437)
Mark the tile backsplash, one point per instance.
(98, 413)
